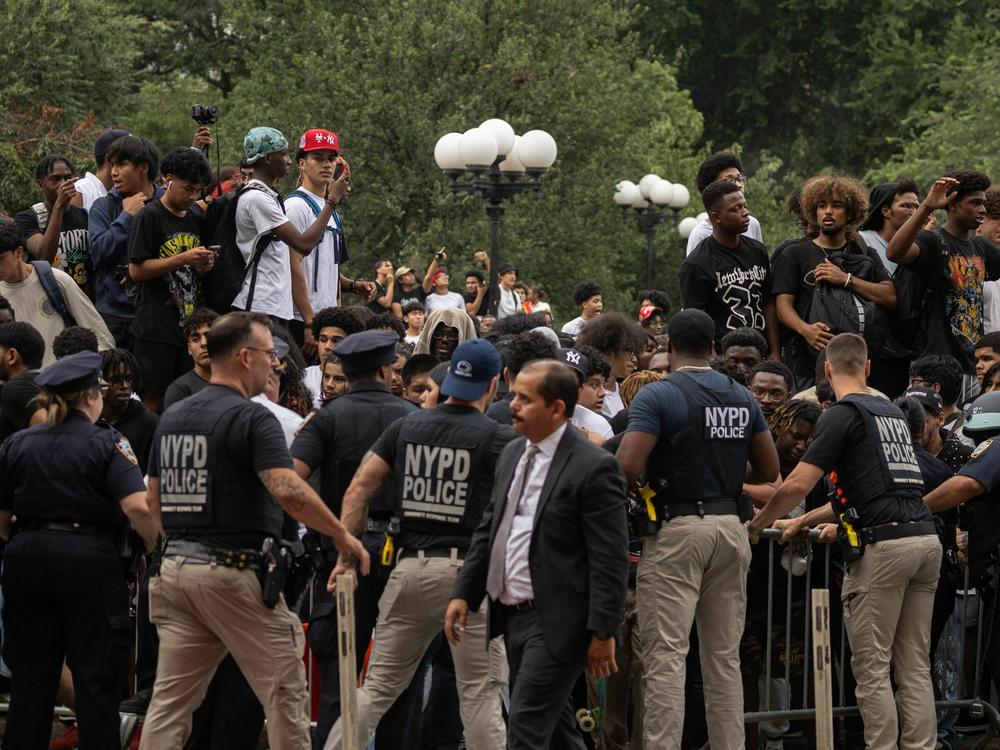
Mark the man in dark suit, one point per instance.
(552, 553)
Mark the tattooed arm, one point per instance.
(372, 473)
(301, 502)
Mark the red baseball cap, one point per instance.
(318, 139)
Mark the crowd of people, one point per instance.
(201, 432)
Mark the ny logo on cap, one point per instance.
(463, 369)
(573, 357)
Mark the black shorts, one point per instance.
(160, 364)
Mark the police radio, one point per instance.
(848, 535)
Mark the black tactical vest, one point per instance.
(441, 485)
(883, 466)
(706, 459)
(204, 489)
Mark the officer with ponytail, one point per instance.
(67, 489)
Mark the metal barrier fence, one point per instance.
(808, 567)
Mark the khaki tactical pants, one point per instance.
(888, 597)
(201, 612)
(410, 613)
(693, 570)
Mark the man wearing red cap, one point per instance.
(440, 296)
(317, 281)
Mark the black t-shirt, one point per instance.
(186, 385)
(401, 298)
(374, 305)
(793, 275)
(838, 443)
(388, 445)
(164, 302)
(138, 425)
(732, 286)
(958, 322)
(73, 251)
(16, 407)
(484, 306)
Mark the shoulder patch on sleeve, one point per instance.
(123, 446)
(981, 449)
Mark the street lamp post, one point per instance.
(653, 201)
(497, 160)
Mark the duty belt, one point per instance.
(433, 552)
(720, 507)
(382, 526)
(73, 527)
(242, 559)
(889, 531)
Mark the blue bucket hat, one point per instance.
(261, 142)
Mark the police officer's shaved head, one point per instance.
(233, 331)
(691, 332)
(847, 353)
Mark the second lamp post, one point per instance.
(652, 202)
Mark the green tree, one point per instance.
(392, 77)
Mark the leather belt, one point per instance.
(432, 552)
(242, 559)
(675, 509)
(522, 606)
(889, 531)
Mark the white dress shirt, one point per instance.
(517, 586)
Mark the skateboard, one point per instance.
(590, 719)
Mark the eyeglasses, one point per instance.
(271, 353)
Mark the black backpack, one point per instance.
(914, 294)
(846, 312)
(223, 283)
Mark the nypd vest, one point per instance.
(706, 459)
(441, 486)
(887, 464)
(204, 489)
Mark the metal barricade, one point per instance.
(819, 557)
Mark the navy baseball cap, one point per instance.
(104, 141)
(72, 373)
(575, 360)
(474, 364)
(367, 350)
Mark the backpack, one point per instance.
(51, 287)
(913, 295)
(846, 312)
(224, 282)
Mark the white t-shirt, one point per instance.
(287, 418)
(437, 301)
(879, 244)
(322, 266)
(508, 305)
(32, 305)
(703, 229)
(412, 340)
(91, 188)
(257, 214)
(991, 306)
(589, 420)
(312, 377)
(574, 327)
(612, 402)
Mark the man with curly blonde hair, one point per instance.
(836, 204)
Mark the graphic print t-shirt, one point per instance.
(970, 263)
(72, 253)
(732, 286)
(164, 302)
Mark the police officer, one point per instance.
(978, 484)
(690, 436)
(218, 464)
(334, 439)
(890, 545)
(66, 550)
(443, 461)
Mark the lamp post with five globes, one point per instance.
(653, 201)
(497, 160)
